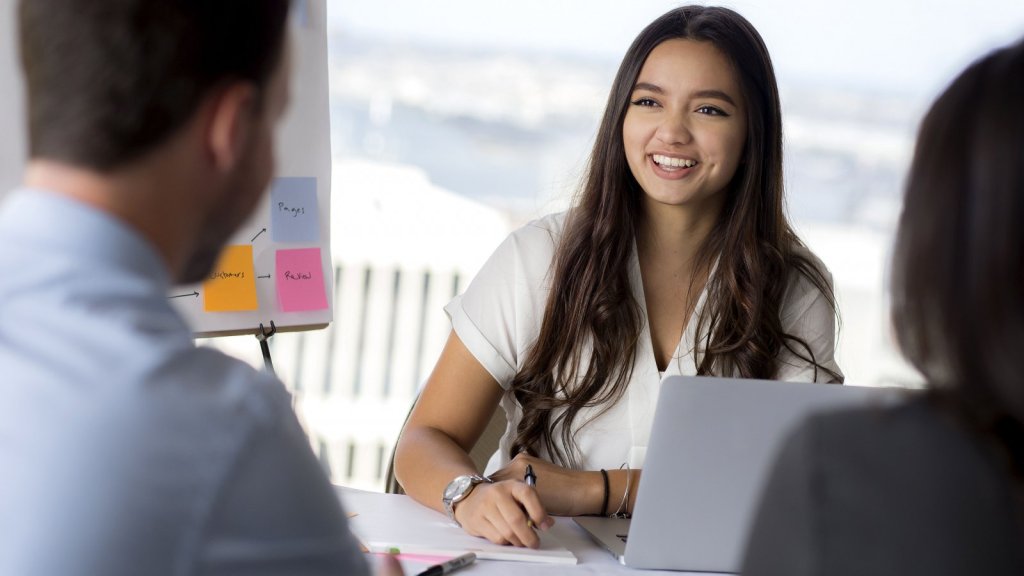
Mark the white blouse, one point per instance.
(499, 317)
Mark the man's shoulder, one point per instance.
(163, 446)
(211, 380)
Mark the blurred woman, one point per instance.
(935, 486)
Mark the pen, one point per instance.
(450, 566)
(531, 480)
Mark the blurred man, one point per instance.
(124, 449)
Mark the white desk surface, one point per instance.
(592, 559)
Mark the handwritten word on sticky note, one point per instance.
(300, 280)
(231, 286)
(294, 212)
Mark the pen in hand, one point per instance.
(531, 480)
(449, 566)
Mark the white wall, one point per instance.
(12, 118)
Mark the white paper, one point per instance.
(389, 522)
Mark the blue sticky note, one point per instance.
(294, 211)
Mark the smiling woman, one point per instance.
(683, 136)
(676, 258)
(684, 129)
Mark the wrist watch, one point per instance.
(457, 491)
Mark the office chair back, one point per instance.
(480, 454)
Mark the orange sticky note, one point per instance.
(231, 286)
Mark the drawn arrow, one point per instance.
(258, 235)
(267, 276)
(193, 294)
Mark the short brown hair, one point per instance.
(109, 80)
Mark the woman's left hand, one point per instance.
(563, 492)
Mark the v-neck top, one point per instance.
(499, 316)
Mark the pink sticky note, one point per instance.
(300, 280)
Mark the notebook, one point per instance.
(397, 523)
(712, 444)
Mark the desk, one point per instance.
(592, 559)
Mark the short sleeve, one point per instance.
(807, 315)
(498, 317)
(782, 540)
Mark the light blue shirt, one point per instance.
(124, 448)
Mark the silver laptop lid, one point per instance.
(712, 442)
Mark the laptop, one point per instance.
(712, 444)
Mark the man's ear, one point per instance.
(233, 113)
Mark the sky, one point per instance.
(911, 46)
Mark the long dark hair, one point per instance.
(592, 304)
(958, 265)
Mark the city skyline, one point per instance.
(912, 46)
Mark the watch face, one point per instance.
(457, 487)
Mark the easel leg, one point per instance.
(263, 336)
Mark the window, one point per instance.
(446, 136)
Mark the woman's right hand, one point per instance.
(499, 512)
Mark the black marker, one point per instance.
(530, 478)
(450, 566)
